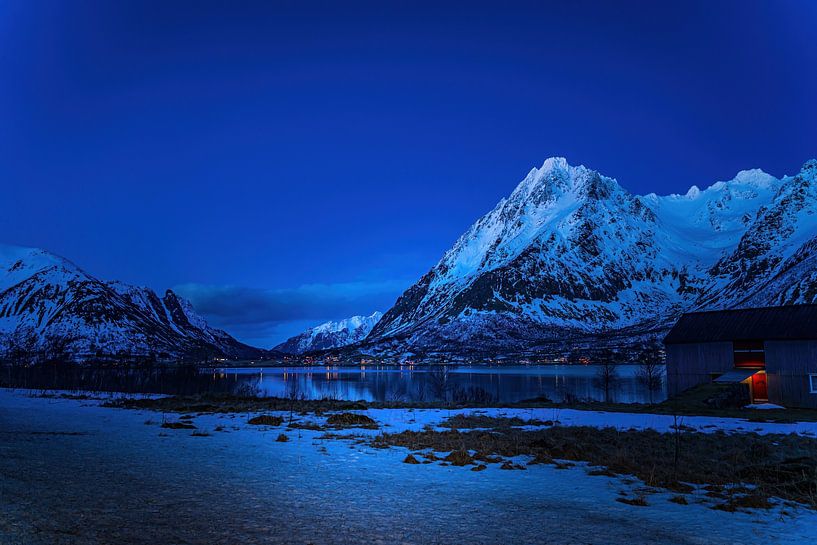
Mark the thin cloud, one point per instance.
(266, 317)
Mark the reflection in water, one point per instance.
(389, 383)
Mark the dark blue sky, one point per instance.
(284, 163)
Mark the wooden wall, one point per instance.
(788, 364)
(691, 364)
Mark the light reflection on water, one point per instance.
(392, 383)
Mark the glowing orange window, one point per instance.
(749, 354)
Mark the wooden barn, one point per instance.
(772, 350)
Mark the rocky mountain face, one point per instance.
(51, 308)
(571, 255)
(330, 335)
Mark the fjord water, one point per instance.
(506, 384)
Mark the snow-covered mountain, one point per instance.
(331, 335)
(51, 307)
(571, 254)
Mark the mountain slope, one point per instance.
(48, 305)
(775, 261)
(570, 253)
(331, 335)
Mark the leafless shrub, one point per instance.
(293, 394)
(650, 375)
(439, 382)
(247, 389)
(607, 380)
(474, 395)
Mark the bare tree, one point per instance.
(607, 380)
(293, 393)
(650, 375)
(439, 379)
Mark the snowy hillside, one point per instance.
(570, 253)
(331, 335)
(51, 307)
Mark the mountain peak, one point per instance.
(752, 180)
(332, 334)
(755, 177)
(556, 177)
(552, 163)
(570, 252)
(44, 297)
(348, 323)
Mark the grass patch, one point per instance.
(459, 458)
(297, 425)
(178, 426)
(690, 403)
(474, 421)
(223, 403)
(601, 472)
(351, 420)
(754, 500)
(783, 466)
(266, 420)
(639, 501)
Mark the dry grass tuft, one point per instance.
(459, 458)
(266, 420)
(351, 420)
(312, 426)
(639, 501)
(474, 421)
(178, 426)
(601, 472)
(783, 466)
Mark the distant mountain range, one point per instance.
(330, 335)
(570, 255)
(52, 308)
(569, 259)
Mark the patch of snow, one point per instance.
(260, 490)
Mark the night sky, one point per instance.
(282, 163)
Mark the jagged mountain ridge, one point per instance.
(331, 335)
(570, 253)
(48, 305)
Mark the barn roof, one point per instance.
(793, 322)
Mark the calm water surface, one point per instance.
(391, 383)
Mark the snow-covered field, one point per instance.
(74, 472)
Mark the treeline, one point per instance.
(176, 379)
